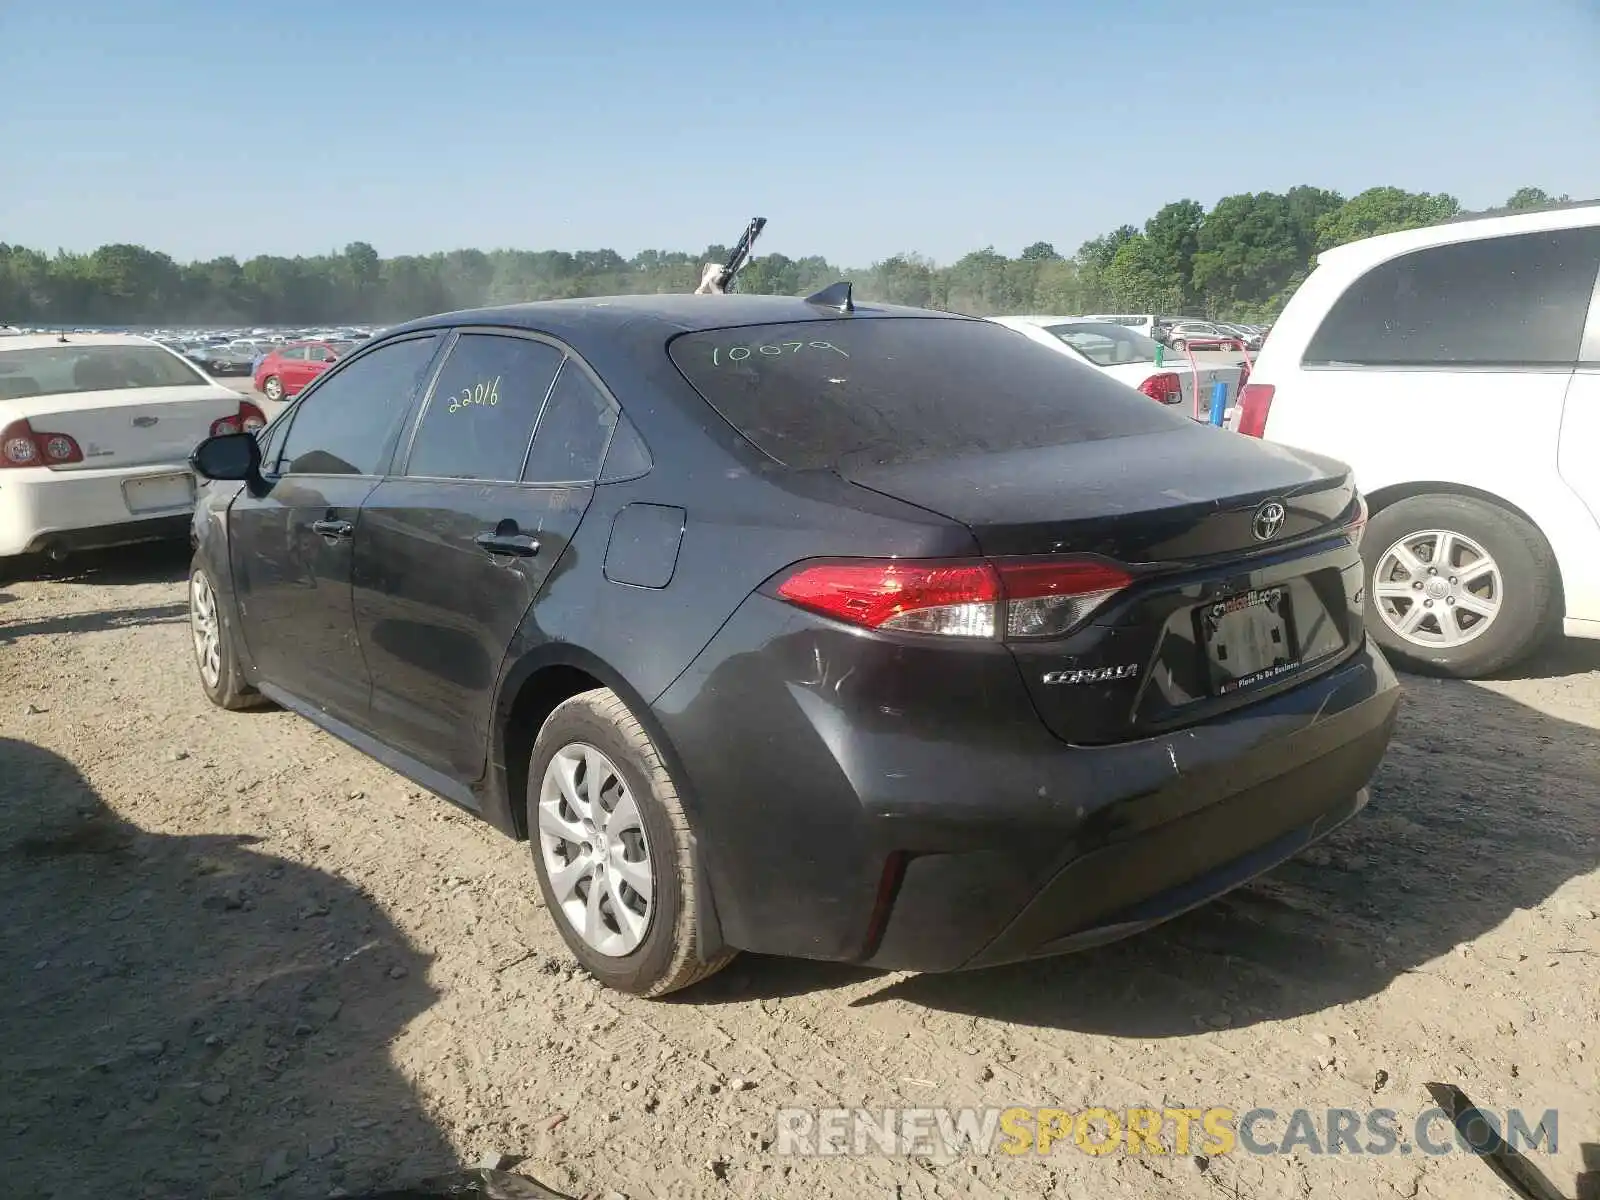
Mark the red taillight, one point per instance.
(1039, 598)
(1166, 387)
(249, 418)
(1255, 401)
(22, 446)
(955, 599)
(1358, 526)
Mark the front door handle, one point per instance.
(333, 529)
(520, 545)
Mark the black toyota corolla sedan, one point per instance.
(805, 627)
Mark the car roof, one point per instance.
(668, 314)
(36, 341)
(1357, 256)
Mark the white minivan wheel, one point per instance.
(1456, 585)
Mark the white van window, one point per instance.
(1510, 301)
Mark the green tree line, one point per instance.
(1241, 260)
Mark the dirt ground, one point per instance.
(242, 959)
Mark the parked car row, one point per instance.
(1181, 333)
(1018, 656)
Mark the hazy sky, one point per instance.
(858, 129)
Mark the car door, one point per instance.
(318, 360)
(297, 367)
(457, 544)
(291, 545)
(1579, 464)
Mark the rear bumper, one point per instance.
(857, 806)
(83, 509)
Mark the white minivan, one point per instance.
(1457, 369)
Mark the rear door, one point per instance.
(296, 368)
(291, 547)
(454, 548)
(1579, 461)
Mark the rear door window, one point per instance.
(481, 415)
(821, 394)
(1509, 302)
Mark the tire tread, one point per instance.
(686, 967)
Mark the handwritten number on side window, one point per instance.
(774, 350)
(484, 392)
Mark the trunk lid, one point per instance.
(128, 427)
(1176, 496)
(1216, 616)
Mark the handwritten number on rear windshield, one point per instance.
(485, 392)
(737, 354)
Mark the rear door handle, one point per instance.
(521, 545)
(333, 529)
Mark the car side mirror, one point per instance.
(228, 456)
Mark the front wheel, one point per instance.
(221, 678)
(1179, 344)
(612, 851)
(1458, 586)
(272, 389)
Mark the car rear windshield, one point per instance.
(888, 390)
(1106, 344)
(69, 368)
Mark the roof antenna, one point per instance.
(835, 295)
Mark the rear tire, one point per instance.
(221, 677)
(1486, 602)
(272, 388)
(592, 753)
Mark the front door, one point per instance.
(292, 546)
(455, 548)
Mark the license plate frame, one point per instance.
(1247, 639)
(159, 493)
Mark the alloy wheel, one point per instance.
(205, 628)
(595, 852)
(1437, 589)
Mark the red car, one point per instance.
(287, 370)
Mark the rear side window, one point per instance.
(1509, 301)
(481, 415)
(819, 394)
(573, 431)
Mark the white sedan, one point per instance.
(1128, 355)
(95, 435)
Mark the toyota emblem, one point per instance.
(1268, 521)
(145, 422)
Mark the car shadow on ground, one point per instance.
(119, 566)
(1563, 657)
(1483, 806)
(189, 1016)
(96, 621)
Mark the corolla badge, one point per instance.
(1093, 674)
(1268, 520)
(145, 422)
